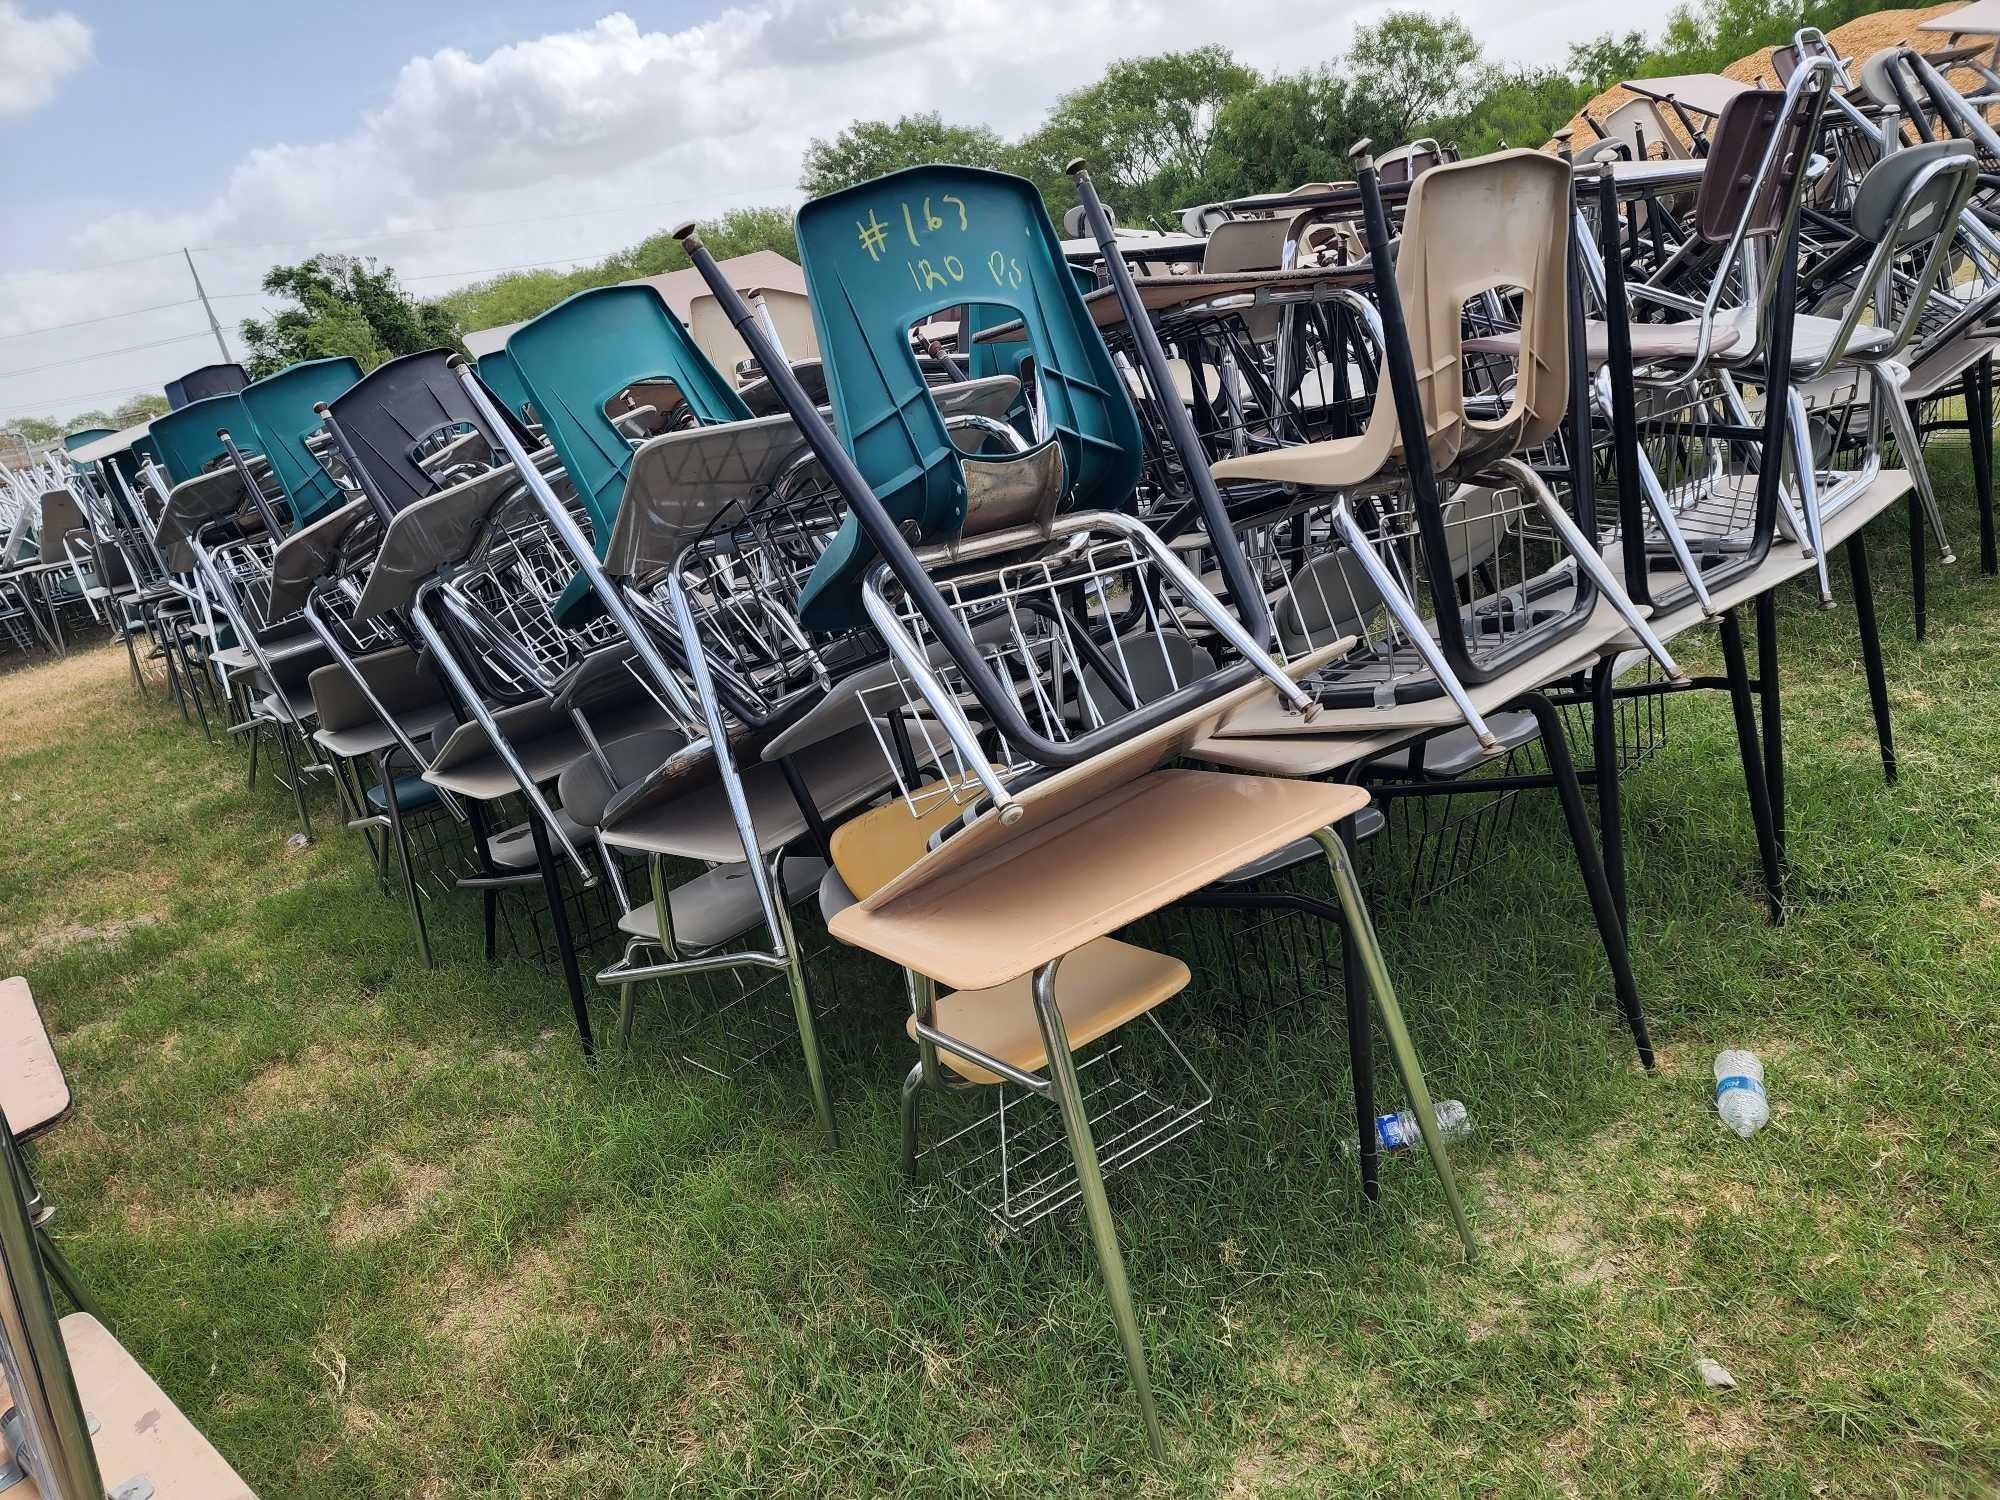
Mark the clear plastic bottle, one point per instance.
(1398, 1132)
(1739, 1092)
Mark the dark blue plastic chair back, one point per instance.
(186, 440)
(199, 385)
(282, 407)
(585, 350)
(394, 411)
(879, 258)
(498, 375)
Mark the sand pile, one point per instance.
(1859, 40)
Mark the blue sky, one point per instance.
(129, 130)
(451, 141)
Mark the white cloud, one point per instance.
(588, 139)
(36, 54)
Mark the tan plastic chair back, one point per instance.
(1497, 222)
(1245, 245)
(1249, 245)
(717, 338)
(1641, 120)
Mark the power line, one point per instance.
(107, 318)
(84, 359)
(110, 390)
(397, 234)
(526, 265)
(102, 265)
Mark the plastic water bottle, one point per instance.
(1739, 1092)
(1399, 1132)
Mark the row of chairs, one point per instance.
(1057, 627)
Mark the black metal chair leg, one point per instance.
(1871, 653)
(1604, 908)
(1749, 747)
(1608, 771)
(1771, 718)
(552, 892)
(1979, 422)
(198, 689)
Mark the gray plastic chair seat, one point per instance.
(514, 848)
(839, 773)
(721, 904)
(1650, 341)
(1367, 823)
(834, 896)
(1457, 751)
(289, 705)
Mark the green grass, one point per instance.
(381, 1233)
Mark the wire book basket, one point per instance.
(1012, 1159)
(245, 565)
(1079, 633)
(505, 600)
(742, 580)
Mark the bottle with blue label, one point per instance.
(1398, 1132)
(1739, 1092)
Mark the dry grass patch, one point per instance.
(304, 1082)
(42, 705)
(383, 1208)
(481, 1314)
(53, 938)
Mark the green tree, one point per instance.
(1147, 128)
(1420, 72)
(343, 304)
(1286, 132)
(520, 295)
(32, 430)
(1607, 59)
(1521, 107)
(128, 413)
(870, 148)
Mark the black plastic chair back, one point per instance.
(209, 380)
(396, 413)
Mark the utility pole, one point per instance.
(213, 326)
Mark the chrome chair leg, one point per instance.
(402, 836)
(1361, 933)
(913, 1084)
(795, 981)
(1798, 424)
(1905, 431)
(297, 777)
(1090, 1186)
(628, 992)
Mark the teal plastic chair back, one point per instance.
(281, 406)
(497, 373)
(585, 350)
(1013, 357)
(879, 258)
(76, 440)
(186, 440)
